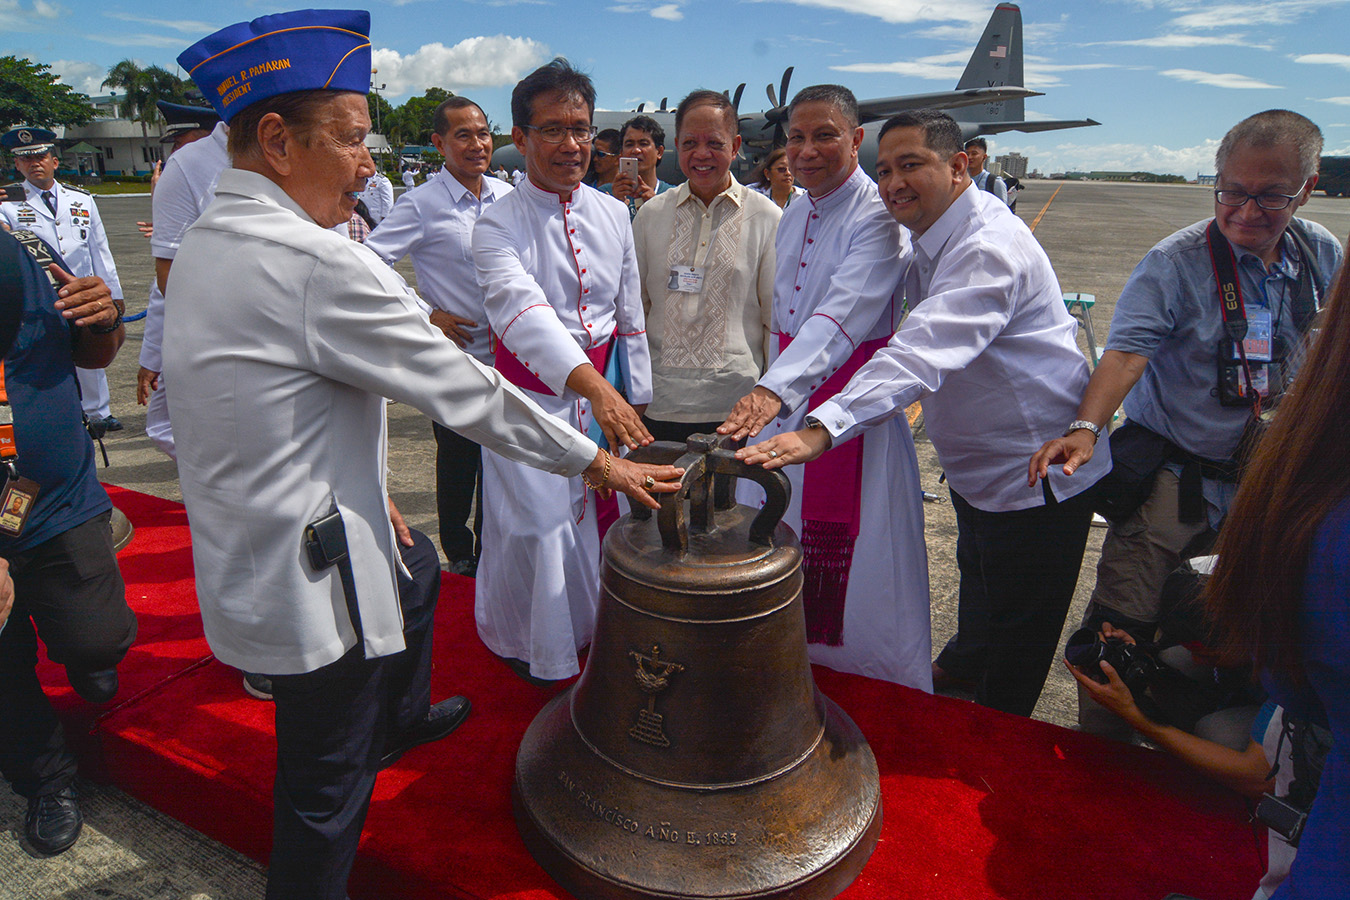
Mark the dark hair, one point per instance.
(977, 142)
(941, 134)
(836, 95)
(300, 110)
(440, 119)
(611, 137)
(761, 173)
(1275, 128)
(645, 124)
(716, 100)
(1297, 477)
(557, 76)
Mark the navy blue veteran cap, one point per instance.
(309, 49)
(179, 117)
(28, 141)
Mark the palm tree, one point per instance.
(143, 88)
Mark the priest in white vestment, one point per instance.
(859, 513)
(562, 295)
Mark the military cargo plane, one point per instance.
(987, 100)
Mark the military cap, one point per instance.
(181, 117)
(26, 140)
(309, 49)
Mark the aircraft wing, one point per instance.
(884, 107)
(1037, 125)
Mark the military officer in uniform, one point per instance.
(67, 219)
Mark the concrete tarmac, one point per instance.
(1095, 233)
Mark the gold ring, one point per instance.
(649, 482)
(773, 454)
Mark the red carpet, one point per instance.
(977, 804)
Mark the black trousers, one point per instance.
(69, 591)
(459, 471)
(1018, 573)
(332, 725)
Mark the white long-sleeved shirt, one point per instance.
(561, 277)
(990, 350)
(434, 224)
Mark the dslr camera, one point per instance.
(1087, 650)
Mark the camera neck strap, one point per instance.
(1231, 307)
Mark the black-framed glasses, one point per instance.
(1271, 202)
(556, 134)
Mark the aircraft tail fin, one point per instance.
(996, 62)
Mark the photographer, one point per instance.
(1191, 387)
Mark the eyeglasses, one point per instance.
(1272, 202)
(556, 134)
(601, 154)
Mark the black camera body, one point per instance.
(1282, 817)
(1086, 650)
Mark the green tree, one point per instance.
(380, 112)
(31, 95)
(411, 122)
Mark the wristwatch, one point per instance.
(1084, 425)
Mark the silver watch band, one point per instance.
(1083, 424)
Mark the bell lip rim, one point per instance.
(858, 852)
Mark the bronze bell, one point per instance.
(694, 758)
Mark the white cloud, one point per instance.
(668, 11)
(185, 26)
(1341, 101)
(37, 16)
(84, 77)
(1071, 156)
(1039, 74)
(473, 62)
(1328, 59)
(1185, 41)
(1230, 80)
(941, 67)
(1277, 13)
(143, 39)
(905, 12)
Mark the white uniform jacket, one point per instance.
(276, 390)
(76, 231)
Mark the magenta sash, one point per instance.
(831, 512)
(514, 371)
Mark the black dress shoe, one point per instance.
(95, 687)
(440, 720)
(53, 822)
(111, 424)
(522, 670)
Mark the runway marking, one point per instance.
(1036, 221)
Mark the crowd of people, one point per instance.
(591, 308)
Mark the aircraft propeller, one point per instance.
(777, 115)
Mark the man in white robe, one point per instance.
(859, 513)
(562, 294)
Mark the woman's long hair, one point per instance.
(1299, 474)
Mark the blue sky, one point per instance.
(1165, 77)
